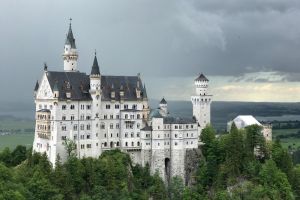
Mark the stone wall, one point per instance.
(191, 163)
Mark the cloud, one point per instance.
(252, 41)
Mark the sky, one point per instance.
(248, 49)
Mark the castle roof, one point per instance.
(171, 119)
(163, 101)
(75, 82)
(147, 128)
(70, 40)
(36, 86)
(201, 77)
(243, 121)
(79, 84)
(95, 67)
(127, 84)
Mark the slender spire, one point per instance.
(95, 67)
(70, 37)
(144, 92)
(36, 86)
(163, 101)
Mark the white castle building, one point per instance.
(99, 112)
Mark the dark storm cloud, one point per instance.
(156, 38)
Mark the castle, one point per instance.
(99, 113)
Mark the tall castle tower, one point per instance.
(70, 54)
(201, 101)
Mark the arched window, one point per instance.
(105, 144)
(126, 144)
(138, 143)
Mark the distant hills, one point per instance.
(222, 111)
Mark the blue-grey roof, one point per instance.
(80, 84)
(70, 38)
(147, 128)
(179, 120)
(154, 113)
(201, 77)
(169, 119)
(163, 101)
(95, 67)
(128, 84)
(36, 86)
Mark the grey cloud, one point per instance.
(157, 38)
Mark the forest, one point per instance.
(237, 165)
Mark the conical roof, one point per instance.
(36, 86)
(201, 77)
(163, 101)
(95, 68)
(70, 38)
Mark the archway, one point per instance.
(167, 169)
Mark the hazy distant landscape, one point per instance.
(17, 119)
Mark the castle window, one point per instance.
(125, 106)
(187, 135)
(118, 144)
(126, 116)
(175, 135)
(88, 127)
(132, 134)
(105, 144)
(134, 106)
(138, 116)
(72, 117)
(75, 127)
(192, 134)
(126, 135)
(82, 107)
(81, 137)
(88, 146)
(107, 106)
(102, 126)
(132, 144)
(176, 127)
(158, 144)
(131, 116)
(138, 125)
(75, 137)
(126, 144)
(72, 107)
(81, 117)
(111, 116)
(64, 128)
(191, 126)
(117, 106)
(118, 116)
(82, 146)
(63, 137)
(88, 107)
(158, 136)
(117, 126)
(117, 134)
(63, 107)
(105, 135)
(111, 135)
(88, 117)
(175, 143)
(105, 116)
(82, 127)
(138, 135)
(111, 126)
(191, 142)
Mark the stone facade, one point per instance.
(100, 113)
